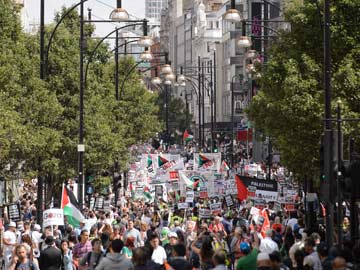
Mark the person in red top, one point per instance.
(217, 226)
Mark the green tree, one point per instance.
(179, 117)
(29, 111)
(289, 107)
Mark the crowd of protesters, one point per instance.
(138, 235)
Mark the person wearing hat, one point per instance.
(173, 240)
(248, 261)
(36, 235)
(9, 243)
(50, 257)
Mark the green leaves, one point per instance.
(290, 107)
(40, 120)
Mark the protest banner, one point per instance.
(265, 189)
(53, 217)
(207, 162)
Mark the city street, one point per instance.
(179, 135)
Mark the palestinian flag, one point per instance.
(71, 207)
(162, 161)
(224, 167)
(242, 189)
(187, 137)
(189, 182)
(149, 161)
(147, 193)
(202, 160)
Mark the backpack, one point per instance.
(31, 264)
(88, 258)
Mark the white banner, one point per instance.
(207, 162)
(53, 217)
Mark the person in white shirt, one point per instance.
(133, 232)
(159, 255)
(268, 245)
(9, 243)
(36, 234)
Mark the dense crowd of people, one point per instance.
(138, 235)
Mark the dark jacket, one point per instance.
(50, 259)
(179, 263)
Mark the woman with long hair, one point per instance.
(205, 252)
(66, 255)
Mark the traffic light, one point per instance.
(350, 178)
(345, 180)
(215, 146)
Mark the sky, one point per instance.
(101, 9)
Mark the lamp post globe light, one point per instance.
(119, 14)
(166, 69)
(145, 41)
(156, 81)
(232, 15)
(146, 56)
(244, 42)
(170, 77)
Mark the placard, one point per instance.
(107, 206)
(14, 212)
(159, 191)
(215, 208)
(190, 196)
(254, 211)
(183, 205)
(99, 203)
(229, 201)
(260, 204)
(204, 213)
(203, 193)
(53, 217)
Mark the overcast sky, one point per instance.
(100, 10)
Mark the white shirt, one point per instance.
(11, 237)
(159, 255)
(291, 222)
(36, 237)
(268, 245)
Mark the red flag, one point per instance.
(242, 190)
(266, 224)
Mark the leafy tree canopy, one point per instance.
(290, 106)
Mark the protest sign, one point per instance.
(229, 201)
(204, 213)
(13, 211)
(53, 217)
(190, 196)
(265, 189)
(99, 203)
(215, 208)
(183, 205)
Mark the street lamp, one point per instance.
(156, 81)
(232, 15)
(166, 69)
(244, 42)
(145, 41)
(170, 77)
(119, 14)
(146, 56)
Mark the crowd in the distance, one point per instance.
(138, 235)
